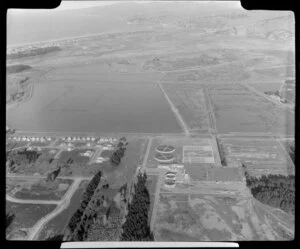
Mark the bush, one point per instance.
(274, 190)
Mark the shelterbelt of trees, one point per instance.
(79, 222)
(274, 190)
(136, 227)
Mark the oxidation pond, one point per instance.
(84, 100)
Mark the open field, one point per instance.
(201, 217)
(26, 215)
(57, 225)
(260, 156)
(10, 144)
(177, 61)
(239, 110)
(47, 155)
(75, 155)
(192, 105)
(37, 189)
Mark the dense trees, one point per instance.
(221, 153)
(53, 174)
(9, 218)
(21, 157)
(275, 190)
(116, 157)
(77, 224)
(292, 152)
(136, 227)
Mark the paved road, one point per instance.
(12, 199)
(36, 229)
(60, 177)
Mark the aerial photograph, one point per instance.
(150, 121)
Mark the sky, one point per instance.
(69, 5)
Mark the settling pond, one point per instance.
(86, 99)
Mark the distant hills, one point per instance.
(222, 18)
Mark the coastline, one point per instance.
(68, 38)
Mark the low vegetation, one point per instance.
(221, 153)
(136, 227)
(274, 190)
(16, 68)
(32, 52)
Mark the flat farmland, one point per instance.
(191, 102)
(260, 156)
(233, 72)
(239, 110)
(37, 189)
(26, 215)
(203, 217)
(180, 61)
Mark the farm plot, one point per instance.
(260, 156)
(191, 102)
(218, 218)
(233, 72)
(25, 216)
(37, 189)
(56, 226)
(239, 110)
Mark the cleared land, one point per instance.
(202, 217)
(239, 110)
(260, 156)
(37, 189)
